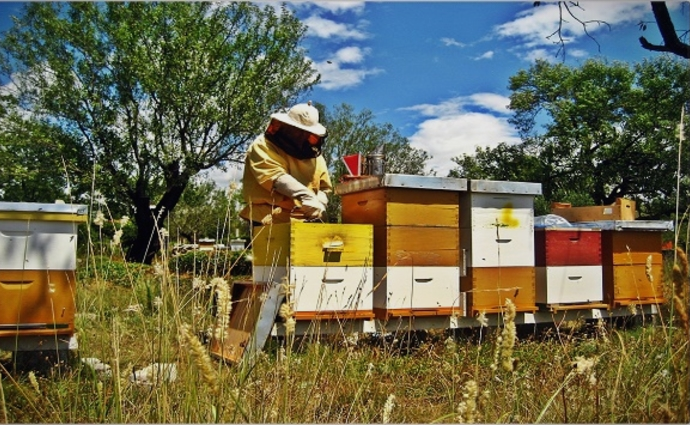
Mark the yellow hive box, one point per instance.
(313, 245)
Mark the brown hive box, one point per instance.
(626, 270)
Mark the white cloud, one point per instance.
(531, 28)
(341, 6)
(491, 102)
(351, 54)
(335, 77)
(452, 42)
(224, 178)
(451, 130)
(485, 55)
(326, 28)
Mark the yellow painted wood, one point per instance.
(313, 244)
(626, 284)
(37, 296)
(416, 246)
(631, 247)
(488, 287)
(42, 216)
(402, 207)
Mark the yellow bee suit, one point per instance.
(264, 163)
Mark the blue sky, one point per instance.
(439, 71)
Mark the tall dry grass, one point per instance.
(596, 372)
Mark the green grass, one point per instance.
(640, 373)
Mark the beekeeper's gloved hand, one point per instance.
(311, 207)
(322, 197)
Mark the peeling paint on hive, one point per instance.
(508, 219)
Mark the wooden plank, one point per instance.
(567, 247)
(255, 307)
(562, 307)
(416, 246)
(487, 288)
(334, 315)
(390, 313)
(402, 207)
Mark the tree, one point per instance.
(155, 92)
(351, 132)
(39, 162)
(596, 133)
(206, 211)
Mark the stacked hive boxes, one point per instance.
(417, 261)
(38, 244)
(497, 224)
(568, 266)
(327, 265)
(632, 261)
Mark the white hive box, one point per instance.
(36, 236)
(497, 228)
(497, 223)
(38, 244)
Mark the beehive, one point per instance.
(38, 244)
(632, 261)
(328, 265)
(417, 257)
(568, 266)
(497, 237)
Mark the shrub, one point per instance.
(115, 271)
(216, 263)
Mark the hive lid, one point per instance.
(406, 181)
(651, 225)
(40, 211)
(495, 186)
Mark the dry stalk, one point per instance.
(680, 289)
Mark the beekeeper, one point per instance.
(285, 176)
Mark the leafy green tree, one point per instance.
(351, 132)
(39, 162)
(155, 92)
(206, 211)
(597, 132)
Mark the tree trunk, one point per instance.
(149, 223)
(147, 243)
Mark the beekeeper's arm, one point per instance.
(309, 203)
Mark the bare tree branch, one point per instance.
(567, 6)
(672, 42)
